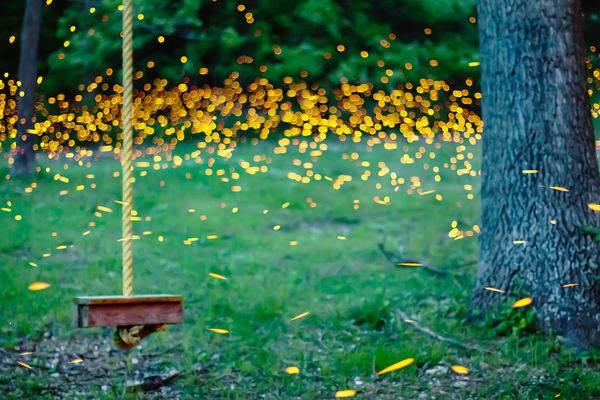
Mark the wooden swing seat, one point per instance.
(151, 309)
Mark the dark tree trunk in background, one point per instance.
(536, 114)
(30, 32)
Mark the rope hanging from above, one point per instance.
(126, 337)
(135, 316)
(126, 149)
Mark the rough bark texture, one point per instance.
(30, 32)
(536, 113)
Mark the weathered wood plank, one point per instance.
(143, 298)
(125, 311)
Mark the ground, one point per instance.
(286, 248)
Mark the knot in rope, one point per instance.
(127, 337)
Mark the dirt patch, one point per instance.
(87, 366)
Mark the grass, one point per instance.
(335, 272)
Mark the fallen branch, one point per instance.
(428, 331)
(397, 259)
(400, 260)
(153, 382)
(156, 381)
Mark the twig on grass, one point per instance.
(428, 331)
(153, 382)
(399, 259)
(156, 381)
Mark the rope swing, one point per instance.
(135, 317)
(126, 337)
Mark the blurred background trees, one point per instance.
(329, 40)
(30, 34)
(383, 42)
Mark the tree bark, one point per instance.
(536, 113)
(30, 32)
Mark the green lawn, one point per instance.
(336, 272)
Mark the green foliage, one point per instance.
(372, 314)
(506, 321)
(286, 36)
(592, 230)
(349, 288)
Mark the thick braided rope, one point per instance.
(127, 146)
(127, 337)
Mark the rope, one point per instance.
(126, 337)
(127, 147)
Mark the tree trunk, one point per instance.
(536, 113)
(30, 32)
